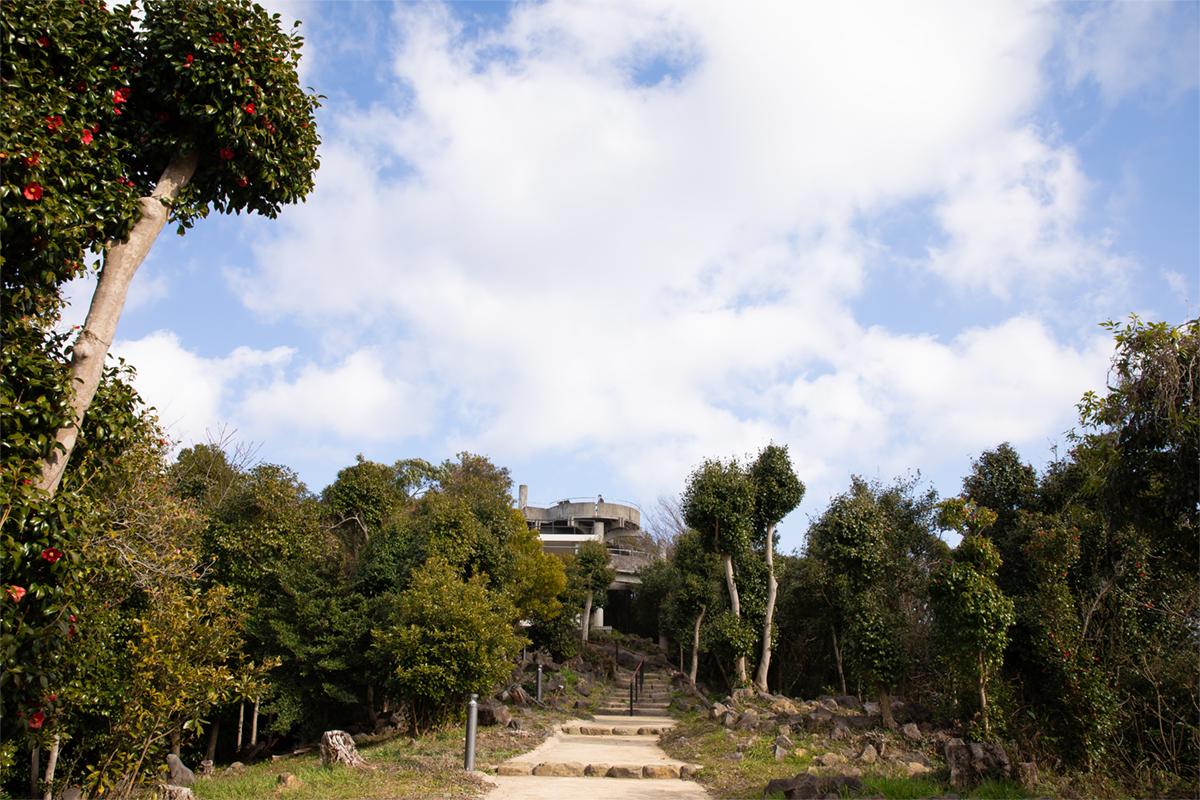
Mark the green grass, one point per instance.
(431, 766)
(902, 788)
(998, 790)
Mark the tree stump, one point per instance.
(168, 792)
(338, 748)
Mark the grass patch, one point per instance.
(402, 768)
(698, 740)
(998, 790)
(902, 788)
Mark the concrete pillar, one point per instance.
(598, 617)
(598, 531)
(522, 496)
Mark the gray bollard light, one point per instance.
(539, 685)
(472, 722)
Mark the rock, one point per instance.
(780, 753)
(1027, 774)
(515, 768)
(581, 704)
(783, 705)
(625, 771)
(717, 710)
(72, 793)
(595, 730)
(660, 771)
(914, 768)
(742, 695)
(570, 730)
(729, 719)
(811, 787)
(207, 770)
(287, 780)
(236, 768)
(493, 713)
(840, 732)
(829, 760)
(828, 703)
(818, 720)
(848, 701)
(868, 755)
(648, 731)
(911, 731)
(747, 720)
(583, 688)
(514, 724)
(689, 771)
(180, 774)
(783, 741)
(870, 707)
(168, 792)
(596, 770)
(338, 748)
(970, 764)
(560, 769)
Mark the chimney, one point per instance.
(522, 496)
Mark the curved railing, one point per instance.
(637, 682)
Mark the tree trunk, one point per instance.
(121, 262)
(35, 769)
(51, 763)
(983, 694)
(764, 660)
(241, 723)
(736, 606)
(837, 657)
(176, 742)
(371, 713)
(696, 647)
(885, 708)
(587, 615)
(254, 725)
(211, 752)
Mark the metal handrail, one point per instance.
(637, 682)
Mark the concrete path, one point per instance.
(608, 757)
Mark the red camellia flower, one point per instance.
(121, 95)
(237, 48)
(70, 617)
(32, 161)
(43, 41)
(33, 191)
(243, 181)
(50, 698)
(217, 38)
(248, 108)
(53, 123)
(86, 136)
(15, 593)
(188, 59)
(225, 153)
(36, 720)
(52, 554)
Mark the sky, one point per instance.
(602, 241)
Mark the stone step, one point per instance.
(612, 730)
(618, 711)
(578, 769)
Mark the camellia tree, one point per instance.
(114, 121)
(590, 576)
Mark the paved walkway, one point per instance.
(608, 757)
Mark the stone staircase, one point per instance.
(614, 743)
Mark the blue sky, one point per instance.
(601, 241)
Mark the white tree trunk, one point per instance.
(241, 723)
(254, 724)
(121, 262)
(736, 606)
(587, 615)
(696, 647)
(51, 763)
(764, 661)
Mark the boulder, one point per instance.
(816, 721)
(1027, 774)
(625, 771)
(729, 719)
(840, 732)
(206, 768)
(338, 748)
(811, 787)
(848, 701)
(180, 774)
(830, 760)
(236, 768)
(597, 770)
(660, 771)
(747, 720)
(971, 764)
(514, 724)
(72, 793)
(493, 713)
(783, 706)
(912, 732)
(689, 771)
(168, 792)
(869, 754)
(718, 710)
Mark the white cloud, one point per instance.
(649, 274)
(191, 392)
(1127, 47)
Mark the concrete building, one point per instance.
(569, 523)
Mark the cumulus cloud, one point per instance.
(630, 232)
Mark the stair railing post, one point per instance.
(539, 683)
